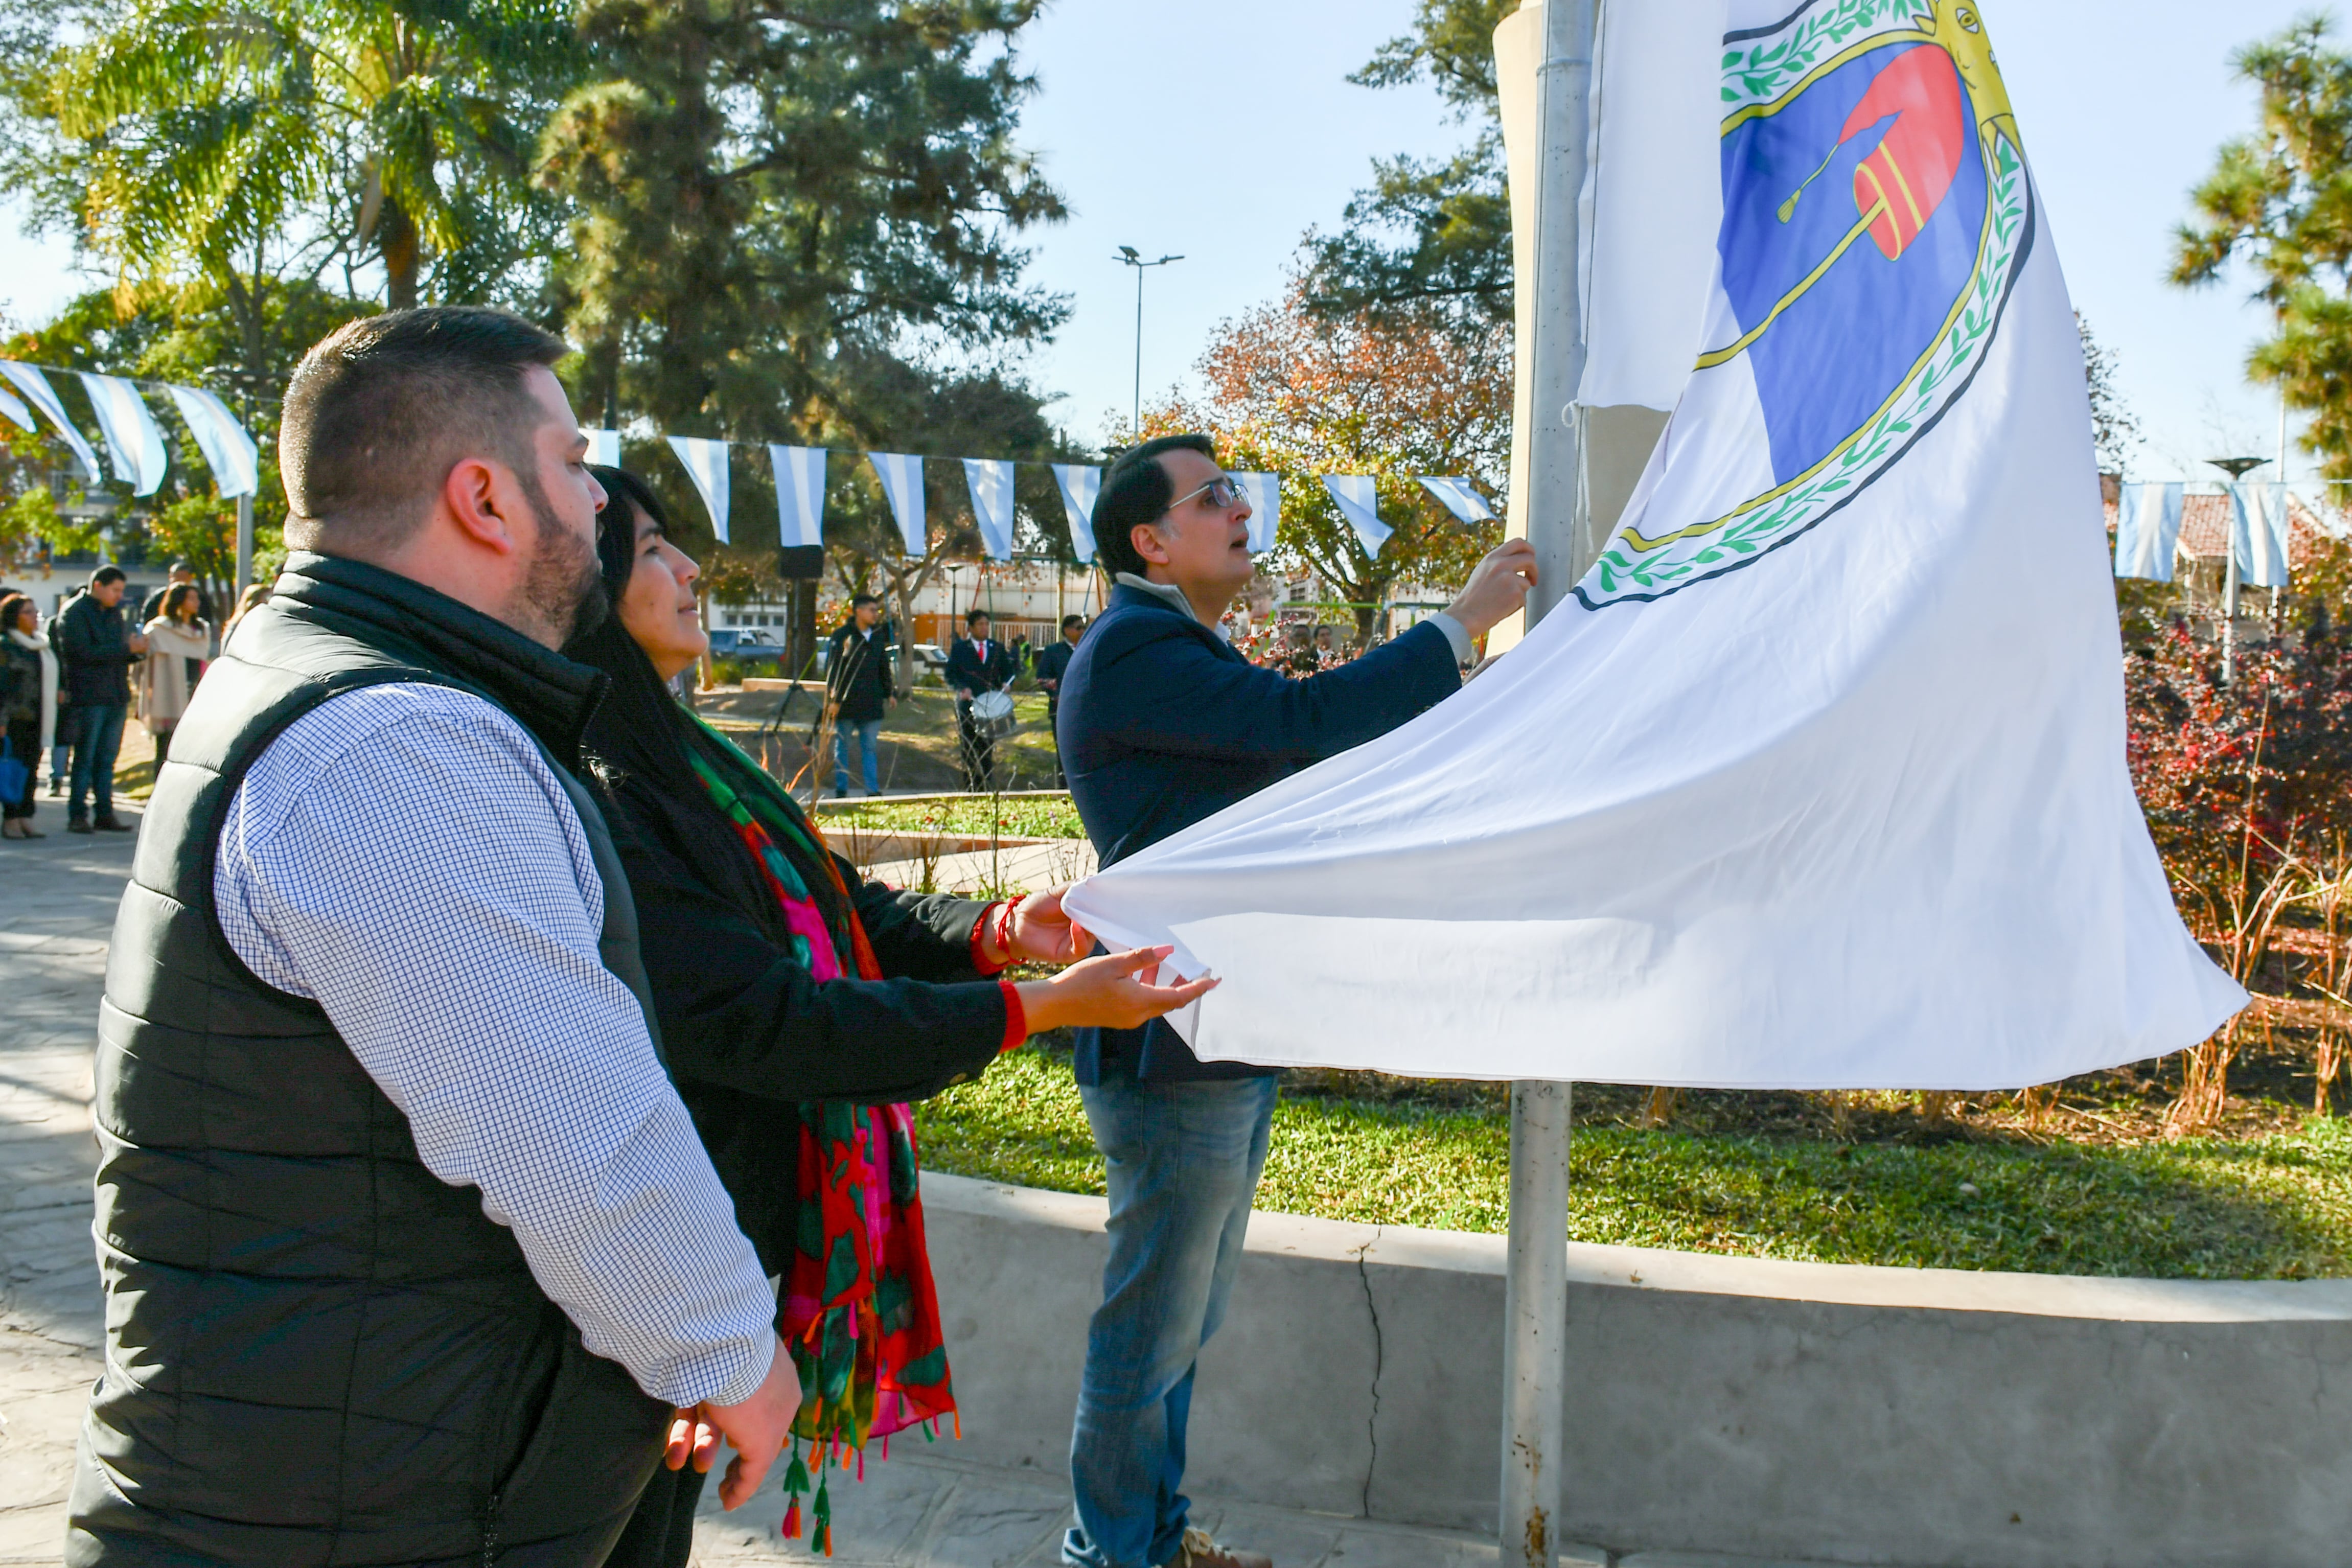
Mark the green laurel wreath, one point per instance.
(1758, 75)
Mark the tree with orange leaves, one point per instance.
(1388, 393)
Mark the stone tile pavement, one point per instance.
(921, 1508)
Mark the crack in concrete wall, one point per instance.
(1379, 1357)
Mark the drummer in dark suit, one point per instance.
(975, 665)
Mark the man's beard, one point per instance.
(563, 588)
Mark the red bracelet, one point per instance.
(993, 929)
(1016, 1018)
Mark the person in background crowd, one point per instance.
(858, 692)
(976, 665)
(98, 647)
(178, 644)
(1053, 662)
(255, 594)
(800, 1005)
(181, 575)
(1019, 650)
(411, 1247)
(1166, 724)
(28, 705)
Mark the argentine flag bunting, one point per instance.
(2148, 530)
(236, 461)
(134, 442)
(41, 395)
(1264, 493)
(800, 495)
(1817, 778)
(901, 474)
(1079, 485)
(603, 447)
(705, 465)
(2258, 533)
(1358, 498)
(13, 409)
(989, 480)
(1457, 497)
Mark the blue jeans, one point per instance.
(97, 735)
(1183, 1162)
(867, 731)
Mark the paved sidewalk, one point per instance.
(923, 1509)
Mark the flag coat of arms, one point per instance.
(1817, 780)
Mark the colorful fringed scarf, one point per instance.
(859, 1312)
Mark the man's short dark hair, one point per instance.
(381, 408)
(1136, 489)
(1069, 621)
(105, 574)
(865, 599)
(973, 618)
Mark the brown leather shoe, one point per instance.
(1199, 1552)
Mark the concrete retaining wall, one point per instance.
(1919, 1417)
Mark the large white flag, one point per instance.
(1817, 779)
(1080, 484)
(705, 465)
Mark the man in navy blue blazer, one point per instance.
(1162, 725)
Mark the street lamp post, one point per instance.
(1129, 256)
(2237, 469)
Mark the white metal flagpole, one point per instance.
(1535, 1297)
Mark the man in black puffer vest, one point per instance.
(409, 1247)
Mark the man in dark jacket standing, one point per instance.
(1163, 724)
(97, 646)
(1053, 663)
(409, 1246)
(858, 691)
(976, 665)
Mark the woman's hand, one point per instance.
(1107, 993)
(1042, 933)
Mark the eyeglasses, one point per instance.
(1223, 491)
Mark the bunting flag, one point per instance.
(991, 481)
(2258, 534)
(800, 495)
(12, 408)
(235, 460)
(1359, 502)
(603, 447)
(1456, 496)
(1264, 493)
(1079, 485)
(134, 442)
(901, 474)
(1817, 779)
(37, 392)
(705, 465)
(2148, 530)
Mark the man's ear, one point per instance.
(1147, 544)
(472, 494)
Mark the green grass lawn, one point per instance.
(2276, 1206)
(1012, 816)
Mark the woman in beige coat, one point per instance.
(177, 646)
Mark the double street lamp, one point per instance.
(1129, 256)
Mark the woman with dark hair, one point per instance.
(28, 705)
(178, 644)
(799, 1006)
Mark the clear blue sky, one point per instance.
(1223, 129)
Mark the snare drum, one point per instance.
(991, 714)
